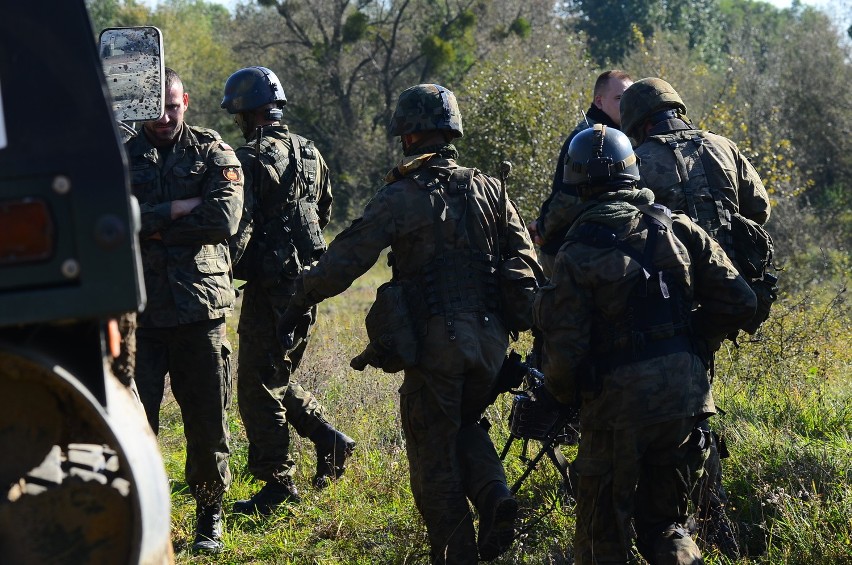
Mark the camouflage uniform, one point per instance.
(451, 457)
(270, 259)
(187, 271)
(739, 186)
(639, 406)
(705, 176)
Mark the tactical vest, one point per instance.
(696, 163)
(287, 225)
(657, 313)
(457, 279)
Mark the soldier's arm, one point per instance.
(725, 300)
(217, 217)
(239, 242)
(562, 312)
(350, 255)
(752, 195)
(325, 198)
(519, 242)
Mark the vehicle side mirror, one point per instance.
(132, 60)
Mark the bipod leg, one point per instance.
(507, 447)
(562, 465)
(532, 463)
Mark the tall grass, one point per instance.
(788, 420)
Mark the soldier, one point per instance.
(704, 175)
(621, 337)
(604, 109)
(442, 223)
(189, 185)
(287, 203)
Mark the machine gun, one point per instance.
(529, 421)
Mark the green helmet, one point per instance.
(426, 107)
(644, 98)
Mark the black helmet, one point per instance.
(426, 107)
(252, 88)
(644, 98)
(600, 156)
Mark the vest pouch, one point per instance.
(394, 340)
(311, 242)
(767, 293)
(517, 293)
(279, 265)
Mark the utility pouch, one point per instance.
(394, 340)
(311, 244)
(766, 291)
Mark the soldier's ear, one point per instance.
(185, 100)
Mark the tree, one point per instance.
(345, 63)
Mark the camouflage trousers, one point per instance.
(267, 398)
(451, 457)
(197, 358)
(633, 489)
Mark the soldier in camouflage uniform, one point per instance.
(621, 338)
(705, 176)
(604, 109)
(287, 203)
(441, 222)
(189, 186)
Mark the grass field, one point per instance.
(788, 420)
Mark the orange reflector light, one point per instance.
(113, 338)
(26, 231)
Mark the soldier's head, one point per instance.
(608, 90)
(424, 114)
(163, 132)
(255, 97)
(600, 159)
(647, 102)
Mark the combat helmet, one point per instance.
(600, 158)
(426, 107)
(252, 88)
(644, 98)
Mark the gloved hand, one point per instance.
(287, 324)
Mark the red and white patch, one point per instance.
(231, 173)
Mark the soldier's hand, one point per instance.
(532, 227)
(183, 207)
(287, 325)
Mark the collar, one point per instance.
(600, 117)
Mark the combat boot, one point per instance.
(497, 515)
(333, 449)
(269, 498)
(208, 528)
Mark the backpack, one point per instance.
(747, 243)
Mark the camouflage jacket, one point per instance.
(288, 199)
(185, 261)
(589, 294)
(728, 171)
(402, 216)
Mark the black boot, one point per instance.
(496, 522)
(269, 498)
(333, 448)
(208, 528)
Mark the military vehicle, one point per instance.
(82, 475)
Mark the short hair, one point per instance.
(606, 76)
(172, 78)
